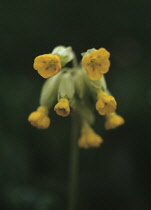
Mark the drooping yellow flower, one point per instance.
(89, 138)
(47, 65)
(39, 118)
(96, 63)
(62, 108)
(105, 104)
(113, 121)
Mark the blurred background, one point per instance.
(34, 164)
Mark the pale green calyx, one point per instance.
(49, 91)
(66, 87)
(65, 53)
(88, 52)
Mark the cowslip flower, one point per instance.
(76, 90)
(62, 108)
(113, 120)
(105, 104)
(39, 118)
(47, 65)
(96, 63)
(89, 138)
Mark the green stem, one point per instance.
(73, 167)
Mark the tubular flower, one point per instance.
(96, 63)
(47, 65)
(39, 118)
(62, 108)
(105, 104)
(89, 138)
(113, 121)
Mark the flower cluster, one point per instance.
(77, 89)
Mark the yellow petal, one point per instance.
(96, 63)
(39, 120)
(113, 121)
(89, 138)
(47, 65)
(62, 108)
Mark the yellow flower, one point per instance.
(47, 65)
(105, 104)
(89, 138)
(96, 63)
(39, 118)
(113, 121)
(62, 108)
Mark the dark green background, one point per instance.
(33, 163)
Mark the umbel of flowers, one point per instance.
(77, 89)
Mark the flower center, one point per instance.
(93, 63)
(52, 63)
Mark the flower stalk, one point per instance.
(76, 91)
(73, 164)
